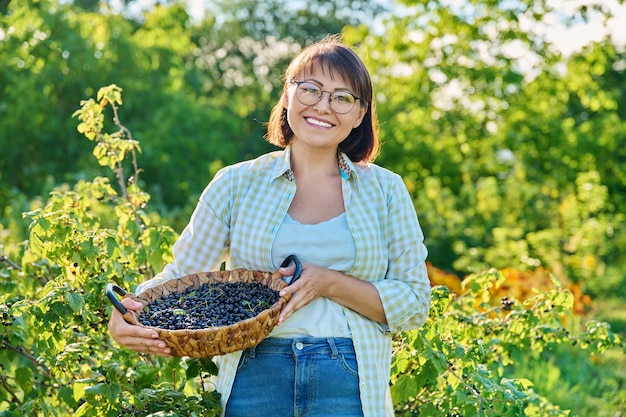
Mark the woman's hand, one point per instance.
(303, 291)
(315, 281)
(133, 337)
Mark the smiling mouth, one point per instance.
(318, 122)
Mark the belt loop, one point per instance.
(251, 352)
(333, 348)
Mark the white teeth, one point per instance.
(318, 123)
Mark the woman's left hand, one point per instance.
(315, 281)
(311, 284)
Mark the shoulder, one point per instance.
(376, 183)
(372, 173)
(264, 166)
(235, 181)
(260, 163)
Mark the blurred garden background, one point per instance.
(507, 120)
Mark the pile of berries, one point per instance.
(212, 305)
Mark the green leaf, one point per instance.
(113, 392)
(98, 389)
(510, 385)
(86, 409)
(193, 369)
(146, 375)
(427, 375)
(65, 394)
(75, 300)
(24, 378)
(88, 250)
(564, 300)
(405, 387)
(78, 389)
(209, 366)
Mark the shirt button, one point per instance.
(299, 345)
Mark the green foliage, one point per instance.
(510, 150)
(489, 125)
(199, 92)
(57, 357)
(576, 380)
(514, 154)
(464, 361)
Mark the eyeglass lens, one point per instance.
(340, 101)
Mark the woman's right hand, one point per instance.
(133, 337)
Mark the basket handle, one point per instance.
(288, 260)
(129, 316)
(111, 290)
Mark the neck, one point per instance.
(305, 161)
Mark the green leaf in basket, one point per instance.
(179, 311)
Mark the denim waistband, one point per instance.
(303, 346)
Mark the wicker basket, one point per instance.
(213, 341)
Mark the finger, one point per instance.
(136, 338)
(292, 288)
(293, 305)
(287, 271)
(151, 347)
(131, 304)
(118, 326)
(142, 344)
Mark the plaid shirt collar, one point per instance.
(283, 166)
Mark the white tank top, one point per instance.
(328, 244)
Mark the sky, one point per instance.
(570, 39)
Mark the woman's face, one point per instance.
(318, 125)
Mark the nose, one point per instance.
(324, 104)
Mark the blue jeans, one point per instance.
(302, 377)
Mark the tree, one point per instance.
(196, 88)
(496, 141)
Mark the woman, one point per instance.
(351, 223)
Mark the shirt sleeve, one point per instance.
(405, 291)
(204, 243)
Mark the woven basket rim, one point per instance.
(214, 340)
(144, 301)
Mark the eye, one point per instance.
(341, 97)
(311, 89)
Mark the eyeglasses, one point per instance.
(340, 101)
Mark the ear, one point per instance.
(285, 98)
(358, 121)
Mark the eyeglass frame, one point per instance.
(330, 94)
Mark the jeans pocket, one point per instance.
(348, 362)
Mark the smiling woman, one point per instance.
(351, 223)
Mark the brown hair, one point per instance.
(332, 55)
